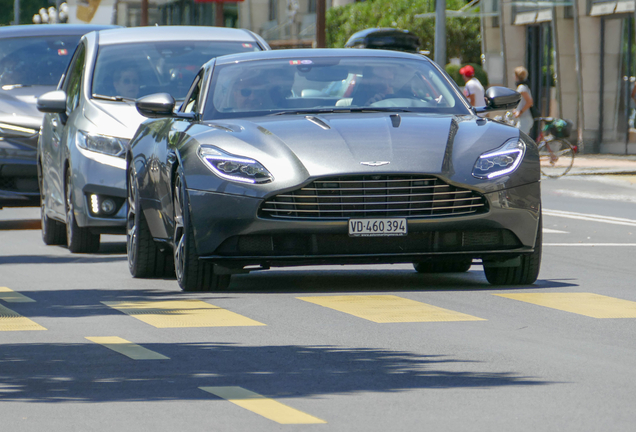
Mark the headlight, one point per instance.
(501, 161)
(101, 143)
(234, 168)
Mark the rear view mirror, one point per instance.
(500, 98)
(156, 105)
(52, 102)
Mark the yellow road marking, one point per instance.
(388, 309)
(268, 408)
(182, 313)
(129, 349)
(11, 296)
(591, 305)
(12, 321)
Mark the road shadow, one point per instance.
(329, 280)
(88, 372)
(18, 225)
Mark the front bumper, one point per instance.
(229, 232)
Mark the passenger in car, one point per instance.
(126, 82)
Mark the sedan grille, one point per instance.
(375, 196)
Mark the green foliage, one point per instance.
(28, 8)
(463, 34)
(480, 74)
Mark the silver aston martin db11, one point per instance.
(305, 157)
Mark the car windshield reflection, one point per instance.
(130, 71)
(329, 85)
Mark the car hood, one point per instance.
(366, 142)
(18, 105)
(118, 119)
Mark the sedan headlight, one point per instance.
(101, 143)
(501, 161)
(234, 168)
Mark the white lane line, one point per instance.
(551, 231)
(592, 244)
(590, 217)
(588, 195)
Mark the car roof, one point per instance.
(174, 33)
(27, 30)
(299, 54)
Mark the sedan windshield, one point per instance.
(30, 61)
(325, 85)
(133, 70)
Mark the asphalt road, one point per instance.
(84, 347)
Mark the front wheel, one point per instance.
(192, 273)
(524, 274)
(78, 239)
(556, 156)
(145, 259)
(52, 231)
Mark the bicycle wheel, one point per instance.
(557, 157)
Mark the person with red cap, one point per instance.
(473, 90)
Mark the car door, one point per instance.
(61, 136)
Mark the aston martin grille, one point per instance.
(375, 196)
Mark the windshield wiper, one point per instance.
(342, 110)
(112, 98)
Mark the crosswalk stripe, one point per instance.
(182, 313)
(13, 321)
(129, 349)
(265, 407)
(11, 296)
(388, 309)
(587, 304)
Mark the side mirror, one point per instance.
(500, 98)
(52, 102)
(156, 105)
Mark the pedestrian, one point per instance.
(523, 112)
(473, 90)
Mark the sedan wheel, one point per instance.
(52, 231)
(79, 240)
(192, 274)
(145, 259)
(524, 274)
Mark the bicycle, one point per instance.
(556, 154)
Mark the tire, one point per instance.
(53, 232)
(192, 274)
(444, 267)
(78, 239)
(145, 258)
(524, 274)
(556, 157)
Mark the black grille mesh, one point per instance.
(374, 196)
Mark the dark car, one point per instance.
(92, 116)
(32, 60)
(340, 156)
(385, 38)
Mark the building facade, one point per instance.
(581, 57)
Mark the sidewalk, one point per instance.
(603, 164)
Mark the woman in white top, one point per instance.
(522, 112)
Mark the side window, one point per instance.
(73, 83)
(192, 101)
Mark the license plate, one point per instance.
(377, 227)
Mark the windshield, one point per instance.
(305, 85)
(137, 69)
(30, 61)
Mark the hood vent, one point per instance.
(318, 121)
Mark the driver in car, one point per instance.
(126, 82)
